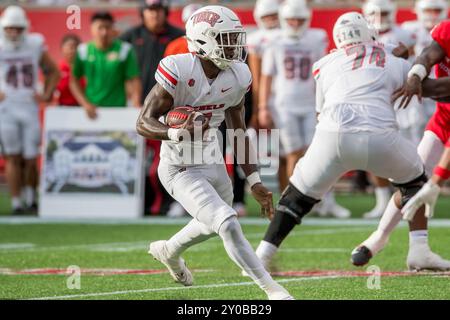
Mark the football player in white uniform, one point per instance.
(356, 130)
(267, 21)
(213, 80)
(266, 17)
(381, 14)
(286, 70)
(429, 14)
(21, 55)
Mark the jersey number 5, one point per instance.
(378, 56)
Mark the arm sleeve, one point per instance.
(441, 34)
(167, 75)
(268, 67)
(131, 65)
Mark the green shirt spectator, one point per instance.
(106, 72)
(109, 66)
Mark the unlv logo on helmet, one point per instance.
(206, 16)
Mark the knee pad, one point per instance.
(409, 189)
(295, 203)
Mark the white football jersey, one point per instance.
(183, 77)
(289, 61)
(412, 115)
(422, 35)
(354, 88)
(397, 35)
(257, 43)
(19, 69)
(423, 40)
(259, 40)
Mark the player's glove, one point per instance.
(427, 196)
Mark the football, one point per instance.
(176, 117)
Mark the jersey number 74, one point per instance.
(378, 56)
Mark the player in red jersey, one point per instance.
(430, 191)
(436, 135)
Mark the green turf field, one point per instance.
(114, 263)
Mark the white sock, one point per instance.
(241, 252)
(194, 232)
(382, 195)
(28, 195)
(16, 203)
(418, 237)
(266, 251)
(390, 219)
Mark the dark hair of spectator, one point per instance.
(70, 37)
(102, 15)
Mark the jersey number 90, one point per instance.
(297, 67)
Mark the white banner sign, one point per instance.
(91, 168)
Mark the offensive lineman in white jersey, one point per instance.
(21, 55)
(381, 14)
(286, 70)
(429, 14)
(357, 128)
(213, 80)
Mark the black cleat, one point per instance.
(18, 211)
(33, 208)
(361, 256)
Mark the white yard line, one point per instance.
(17, 245)
(209, 286)
(142, 244)
(445, 223)
(314, 250)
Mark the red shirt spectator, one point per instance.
(65, 95)
(69, 44)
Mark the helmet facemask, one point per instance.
(266, 14)
(381, 20)
(14, 35)
(295, 18)
(14, 26)
(230, 47)
(431, 12)
(295, 32)
(431, 17)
